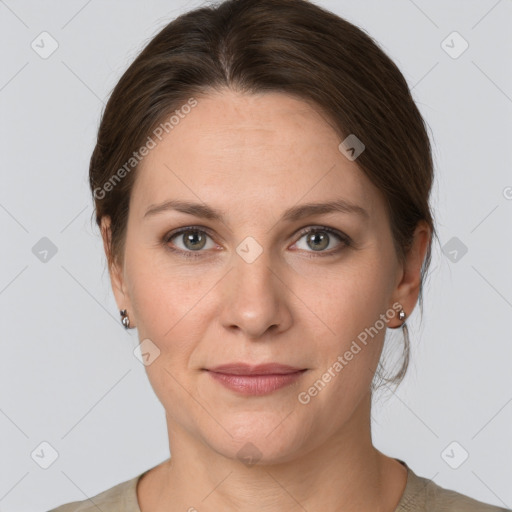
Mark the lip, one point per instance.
(255, 380)
(259, 369)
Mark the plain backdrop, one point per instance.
(77, 413)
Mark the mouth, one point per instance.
(255, 380)
(259, 369)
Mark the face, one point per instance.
(255, 277)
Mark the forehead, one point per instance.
(253, 150)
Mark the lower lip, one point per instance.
(256, 384)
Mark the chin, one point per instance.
(258, 441)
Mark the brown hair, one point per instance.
(290, 46)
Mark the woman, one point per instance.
(261, 181)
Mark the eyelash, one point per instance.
(345, 239)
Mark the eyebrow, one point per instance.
(292, 214)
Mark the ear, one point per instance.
(115, 269)
(408, 283)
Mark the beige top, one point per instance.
(420, 495)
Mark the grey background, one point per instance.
(68, 376)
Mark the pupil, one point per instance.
(318, 237)
(193, 239)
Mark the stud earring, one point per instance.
(401, 315)
(124, 318)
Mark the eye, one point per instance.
(320, 238)
(193, 240)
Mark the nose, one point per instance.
(255, 298)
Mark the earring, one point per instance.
(124, 318)
(407, 346)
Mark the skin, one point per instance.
(254, 156)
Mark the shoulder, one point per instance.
(119, 498)
(424, 495)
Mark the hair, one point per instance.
(257, 46)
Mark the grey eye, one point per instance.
(318, 240)
(192, 239)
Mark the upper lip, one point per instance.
(259, 369)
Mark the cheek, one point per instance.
(351, 305)
(346, 360)
(163, 297)
(167, 308)
(353, 297)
